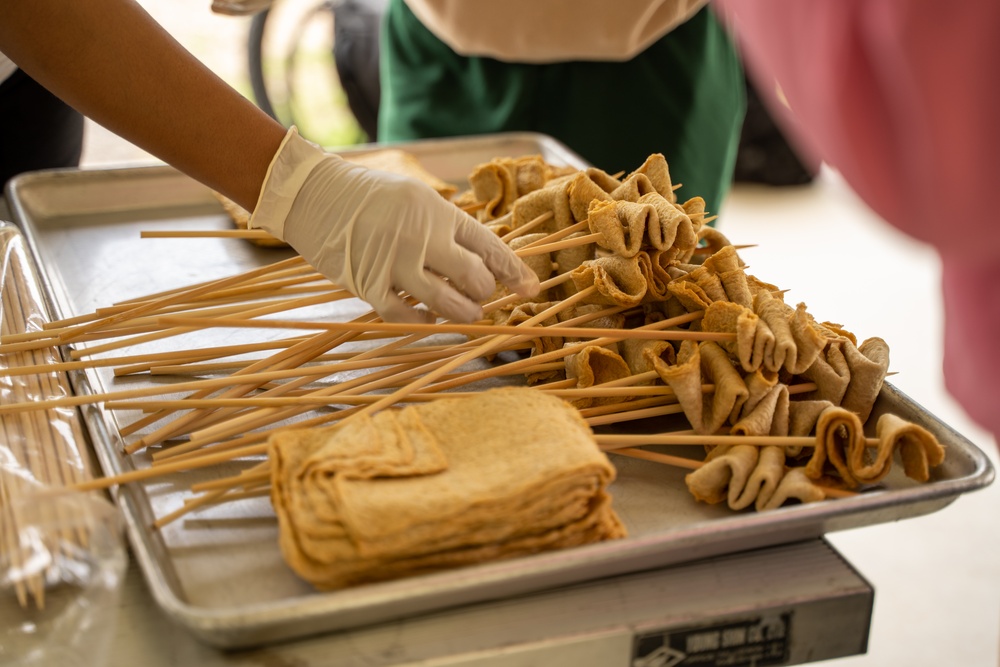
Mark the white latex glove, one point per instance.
(376, 234)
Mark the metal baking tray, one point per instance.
(220, 573)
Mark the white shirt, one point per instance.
(546, 31)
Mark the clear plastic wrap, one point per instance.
(61, 570)
(62, 557)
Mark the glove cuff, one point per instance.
(292, 163)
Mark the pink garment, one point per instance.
(903, 98)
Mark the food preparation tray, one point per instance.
(220, 573)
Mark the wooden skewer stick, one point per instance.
(596, 391)
(634, 414)
(531, 250)
(209, 498)
(701, 250)
(692, 464)
(254, 478)
(140, 474)
(42, 445)
(195, 367)
(527, 227)
(206, 233)
(612, 442)
(559, 235)
(668, 459)
(475, 330)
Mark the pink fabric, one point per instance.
(903, 98)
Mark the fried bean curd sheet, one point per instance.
(508, 472)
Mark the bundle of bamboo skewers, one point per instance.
(40, 450)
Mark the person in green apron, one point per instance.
(683, 96)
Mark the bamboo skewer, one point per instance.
(475, 330)
(205, 368)
(527, 227)
(140, 474)
(634, 414)
(612, 442)
(558, 236)
(531, 250)
(361, 399)
(43, 445)
(668, 459)
(692, 464)
(253, 234)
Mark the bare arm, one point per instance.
(112, 62)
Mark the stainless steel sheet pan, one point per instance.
(220, 572)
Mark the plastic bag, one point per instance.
(62, 562)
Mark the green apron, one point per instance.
(683, 97)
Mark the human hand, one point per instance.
(375, 234)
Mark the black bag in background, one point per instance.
(764, 155)
(355, 53)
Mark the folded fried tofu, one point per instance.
(453, 482)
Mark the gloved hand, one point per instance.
(375, 233)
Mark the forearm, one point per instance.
(111, 61)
